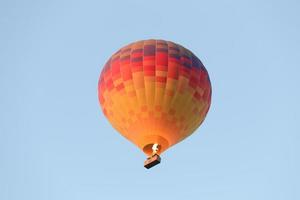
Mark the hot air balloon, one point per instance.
(155, 93)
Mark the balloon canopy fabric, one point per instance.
(154, 92)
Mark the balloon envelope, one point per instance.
(154, 92)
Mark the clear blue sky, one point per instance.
(55, 143)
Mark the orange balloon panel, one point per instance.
(154, 91)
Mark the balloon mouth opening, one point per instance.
(149, 149)
(153, 144)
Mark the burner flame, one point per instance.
(155, 148)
